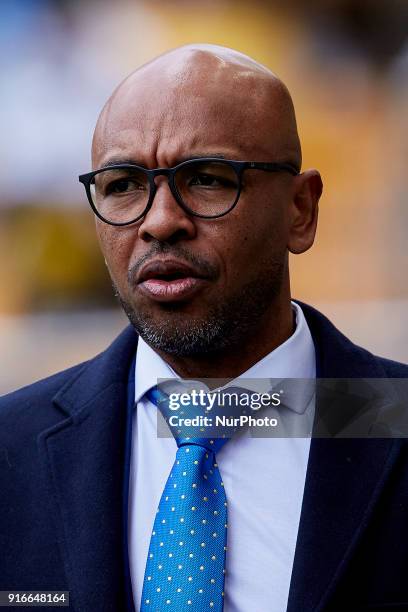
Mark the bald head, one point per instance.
(206, 84)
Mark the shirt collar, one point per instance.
(149, 368)
(295, 358)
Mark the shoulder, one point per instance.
(26, 411)
(339, 357)
(35, 405)
(41, 389)
(394, 369)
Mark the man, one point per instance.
(198, 256)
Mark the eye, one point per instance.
(124, 185)
(202, 179)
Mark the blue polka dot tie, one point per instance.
(185, 566)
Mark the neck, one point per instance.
(274, 329)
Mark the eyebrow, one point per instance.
(113, 161)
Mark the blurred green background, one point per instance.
(346, 64)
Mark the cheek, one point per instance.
(261, 228)
(255, 239)
(116, 245)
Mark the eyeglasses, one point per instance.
(207, 187)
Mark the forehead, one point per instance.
(171, 114)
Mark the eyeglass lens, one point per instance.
(207, 188)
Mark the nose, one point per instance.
(166, 220)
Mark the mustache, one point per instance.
(201, 265)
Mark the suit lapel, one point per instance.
(84, 466)
(344, 480)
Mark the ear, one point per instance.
(304, 210)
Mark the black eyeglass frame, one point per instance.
(237, 166)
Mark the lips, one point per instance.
(170, 280)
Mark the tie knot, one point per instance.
(213, 445)
(206, 419)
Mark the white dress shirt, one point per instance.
(264, 481)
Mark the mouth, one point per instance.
(170, 281)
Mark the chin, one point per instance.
(172, 329)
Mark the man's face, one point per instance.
(231, 268)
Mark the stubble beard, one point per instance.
(224, 327)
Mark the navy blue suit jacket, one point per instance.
(64, 460)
